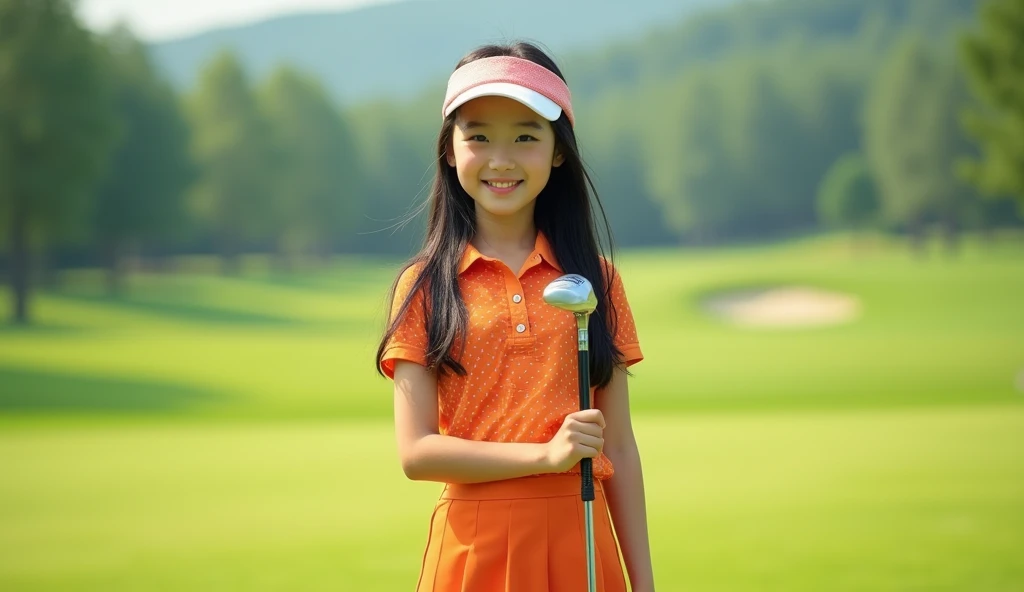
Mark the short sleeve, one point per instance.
(625, 337)
(409, 341)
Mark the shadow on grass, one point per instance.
(37, 328)
(185, 311)
(357, 282)
(30, 391)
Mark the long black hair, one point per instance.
(562, 212)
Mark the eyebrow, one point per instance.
(478, 124)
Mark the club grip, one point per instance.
(586, 464)
(587, 479)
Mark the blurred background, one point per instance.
(818, 210)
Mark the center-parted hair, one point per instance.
(563, 212)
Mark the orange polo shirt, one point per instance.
(521, 353)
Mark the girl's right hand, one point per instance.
(581, 436)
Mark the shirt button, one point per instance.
(520, 328)
(517, 299)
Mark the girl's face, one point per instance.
(503, 153)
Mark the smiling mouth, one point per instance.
(503, 184)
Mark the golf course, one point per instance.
(207, 432)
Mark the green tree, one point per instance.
(848, 197)
(395, 147)
(687, 158)
(767, 147)
(56, 127)
(912, 140)
(994, 56)
(614, 155)
(826, 93)
(232, 145)
(141, 198)
(730, 153)
(317, 173)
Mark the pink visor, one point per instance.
(531, 84)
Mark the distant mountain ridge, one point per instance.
(398, 49)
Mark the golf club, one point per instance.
(574, 293)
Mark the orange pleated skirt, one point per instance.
(519, 535)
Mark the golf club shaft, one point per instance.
(588, 510)
(586, 464)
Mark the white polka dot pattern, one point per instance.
(520, 385)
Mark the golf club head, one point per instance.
(571, 292)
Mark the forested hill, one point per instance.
(395, 49)
(756, 27)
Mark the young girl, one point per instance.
(485, 372)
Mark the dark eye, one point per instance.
(526, 138)
(477, 138)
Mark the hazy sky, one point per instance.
(161, 19)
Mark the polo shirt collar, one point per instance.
(540, 247)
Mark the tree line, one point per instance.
(757, 121)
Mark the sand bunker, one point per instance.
(788, 306)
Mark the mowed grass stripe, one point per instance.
(926, 498)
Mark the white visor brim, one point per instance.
(540, 104)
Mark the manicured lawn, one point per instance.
(211, 433)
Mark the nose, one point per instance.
(500, 161)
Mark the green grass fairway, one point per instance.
(917, 499)
(934, 332)
(212, 433)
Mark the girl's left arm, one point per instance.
(625, 489)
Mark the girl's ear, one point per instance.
(449, 153)
(559, 157)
